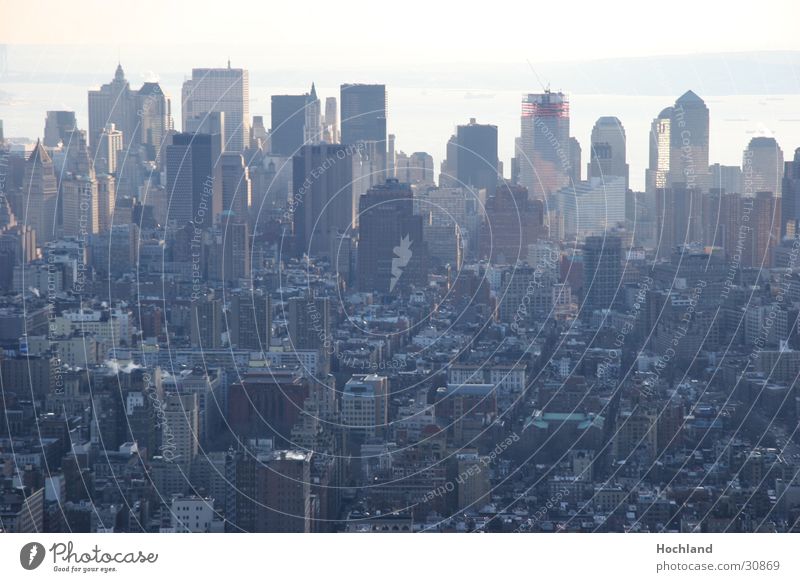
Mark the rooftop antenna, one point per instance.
(229, 62)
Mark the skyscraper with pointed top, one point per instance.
(113, 103)
(313, 118)
(40, 195)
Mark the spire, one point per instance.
(119, 74)
(39, 154)
(313, 94)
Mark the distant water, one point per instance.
(424, 118)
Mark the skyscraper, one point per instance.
(762, 166)
(313, 118)
(689, 134)
(477, 163)
(602, 272)
(57, 124)
(391, 249)
(235, 184)
(226, 90)
(40, 195)
(363, 119)
(544, 154)
(607, 155)
(108, 150)
(193, 193)
(331, 133)
(790, 207)
(287, 134)
(322, 205)
(113, 103)
(658, 168)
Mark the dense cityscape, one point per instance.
(287, 324)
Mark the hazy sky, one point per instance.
(416, 29)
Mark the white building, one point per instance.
(591, 207)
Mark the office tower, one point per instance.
(602, 272)
(544, 155)
(235, 185)
(477, 163)
(113, 103)
(765, 222)
(689, 133)
(591, 207)
(762, 167)
(678, 218)
(607, 156)
(660, 138)
(575, 154)
(390, 164)
(312, 132)
(790, 206)
(230, 257)
(365, 406)
(80, 212)
(115, 251)
(331, 121)
(726, 178)
(211, 123)
(391, 250)
(250, 320)
(57, 124)
(309, 320)
(180, 429)
(109, 150)
(287, 134)
(448, 170)
(40, 195)
(283, 492)
(224, 90)
(258, 133)
(154, 110)
(193, 193)
(206, 323)
(512, 222)
(322, 203)
(414, 169)
(363, 120)
(106, 201)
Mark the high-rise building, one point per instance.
(113, 103)
(591, 207)
(726, 178)
(180, 428)
(154, 111)
(193, 193)
(283, 493)
(790, 206)
(544, 154)
(414, 169)
(391, 250)
(477, 163)
(235, 184)
(762, 167)
(679, 212)
(512, 222)
(660, 138)
(57, 125)
(287, 133)
(309, 321)
(363, 120)
(40, 195)
(312, 132)
(331, 121)
(689, 136)
(250, 321)
(607, 156)
(108, 150)
(225, 90)
(602, 272)
(322, 205)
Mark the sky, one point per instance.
(411, 30)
